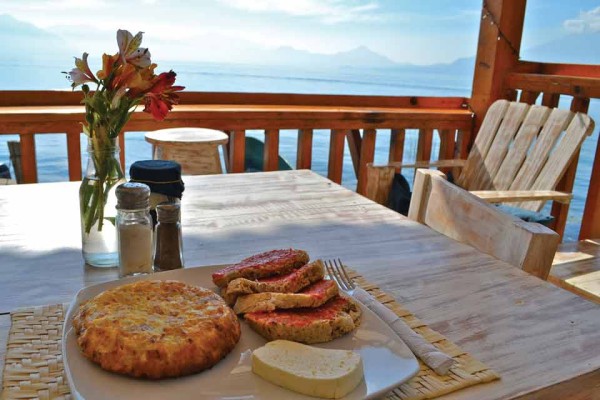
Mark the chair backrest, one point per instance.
(464, 217)
(523, 147)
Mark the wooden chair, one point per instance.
(520, 154)
(466, 218)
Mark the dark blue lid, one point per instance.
(162, 176)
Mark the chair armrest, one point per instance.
(427, 164)
(509, 196)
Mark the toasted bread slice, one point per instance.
(333, 319)
(313, 296)
(289, 283)
(270, 263)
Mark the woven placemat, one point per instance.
(34, 366)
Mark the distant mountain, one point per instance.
(358, 57)
(574, 49)
(24, 42)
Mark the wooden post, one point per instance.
(559, 210)
(28, 159)
(304, 153)
(227, 151)
(424, 145)
(367, 155)
(498, 49)
(354, 145)
(271, 150)
(237, 155)
(336, 155)
(446, 147)
(122, 150)
(590, 224)
(74, 152)
(14, 148)
(396, 145)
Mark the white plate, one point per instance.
(386, 359)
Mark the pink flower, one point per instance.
(81, 73)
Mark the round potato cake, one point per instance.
(156, 329)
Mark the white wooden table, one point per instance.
(544, 341)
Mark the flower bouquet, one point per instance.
(126, 80)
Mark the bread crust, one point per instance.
(289, 283)
(262, 265)
(156, 329)
(312, 296)
(335, 318)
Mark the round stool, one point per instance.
(196, 149)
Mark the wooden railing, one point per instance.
(579, 83)
(30, 113)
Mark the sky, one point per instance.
(405, 31)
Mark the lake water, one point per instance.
(52, 152)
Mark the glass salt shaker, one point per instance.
(134, 229)
(168, 252)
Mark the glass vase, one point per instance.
(97, 202)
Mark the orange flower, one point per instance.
(108, 64)
(160, 98)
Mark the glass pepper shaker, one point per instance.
(168, 252)
(134, 229)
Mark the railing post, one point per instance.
(396, 145)
(237, 153)
(590, 224)
(28, 158)
(74, 152)
(336, 155)
(122, 149)
(304, 149)
(271, 150)
(367, 155)
(447, 143)
(560, 211)
(424, 145)
(500, 32)
(354, 146)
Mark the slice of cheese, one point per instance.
(308, 370)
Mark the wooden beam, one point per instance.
(529, 97)
(336, 155)
(367, 155)
(237, 153)
(447, 146)
(354, 145)
(28, 158)
(579, 70)
(560, 211)
(74, 153)
(64, 98)
(271, 150)
(424, 145)
(122, 150)
(396, 145)
(550, 100)
(569, 85)
(304, 149)
(500, 32)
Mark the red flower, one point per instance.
(161, 96)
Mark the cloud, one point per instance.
(588, 21)
(328, 11)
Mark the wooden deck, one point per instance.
(576, 268)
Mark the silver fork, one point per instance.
(337, 272)
(434, 358)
